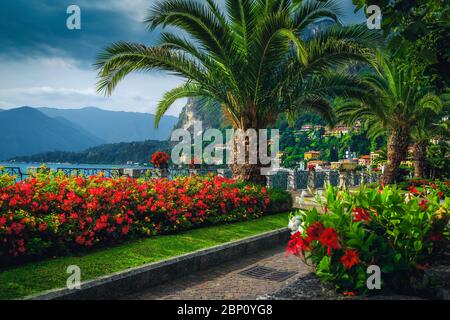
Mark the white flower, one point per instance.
(296, 224)
(407, 197)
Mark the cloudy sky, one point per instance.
(42, 63)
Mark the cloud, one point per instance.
(42, 63)
(38, 28)
(60, 83)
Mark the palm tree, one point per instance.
(431, 124)
(249, 59)
(400, 107)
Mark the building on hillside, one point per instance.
(336, 131)
(318, 127)
(374, 156)
(312, 155)
(306, 128)
(364, 160)
(317, 163)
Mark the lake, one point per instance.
(25, 165)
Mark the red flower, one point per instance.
(423, 204)
(436, 237)
(349, 293)
(315, 230)
(297, 245)
(350, 258)
(360, 214)
(119, 220)
(125, 230)
(160, 159)
(80, 240)
(329, 239)
(413, 190)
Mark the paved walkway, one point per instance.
(225, 282)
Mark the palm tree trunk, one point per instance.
(397, 150)
(420, 159)
(248, 171)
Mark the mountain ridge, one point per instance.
(116, 126)
(30, 130)
(26, 131)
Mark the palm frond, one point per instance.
(186, 90)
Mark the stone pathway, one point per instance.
(225, 282)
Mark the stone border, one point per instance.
(132, 280)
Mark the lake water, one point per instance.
(25, 165)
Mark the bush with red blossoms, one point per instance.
(52, 214)
(396, 230)
(160, 159)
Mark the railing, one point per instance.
(283, 179)
(108, 172)
(13, 171)
(303, 179)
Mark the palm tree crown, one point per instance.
(398, 107)
(234, 57)
(249, 58)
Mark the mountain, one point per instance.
(116, 126)
(116, 153)
(26, 131)
(195, 110)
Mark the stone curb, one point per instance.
(133, 280)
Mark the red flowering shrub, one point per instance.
(160, 159)
(53, 214)
(419, 186)
(397, 230)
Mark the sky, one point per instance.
(43, 63)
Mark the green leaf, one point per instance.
(418, 245)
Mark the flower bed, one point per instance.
(400, 233)
(52, 214)
(426, 186)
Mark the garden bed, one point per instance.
(394, 234)
(32, 278)
(54, 215)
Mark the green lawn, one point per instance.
(49, 274)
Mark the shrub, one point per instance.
(398, 231)
(280, 200)
(52, 214)
(160, 159)
(426, 185)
